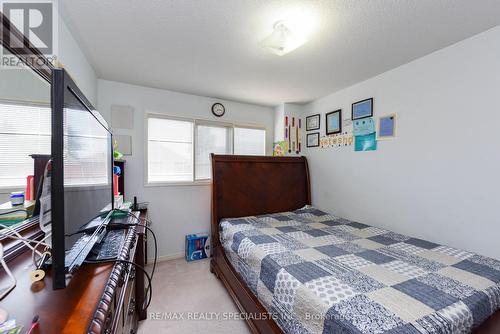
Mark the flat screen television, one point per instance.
(82, 168)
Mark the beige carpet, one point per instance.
(188, 290)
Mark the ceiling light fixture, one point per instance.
(282, 40)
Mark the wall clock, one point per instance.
(218, 109)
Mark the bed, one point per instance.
(293, 268)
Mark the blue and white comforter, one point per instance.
(317, 273)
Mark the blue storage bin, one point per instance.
(197, 247)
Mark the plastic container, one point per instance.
(17, 198)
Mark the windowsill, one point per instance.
(202, 183)
(8, 190)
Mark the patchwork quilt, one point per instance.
(318, 273)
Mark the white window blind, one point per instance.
(170, 150)
(87, 150)
(24, 130)
(248, 141)
(210, 139)
(179, 149)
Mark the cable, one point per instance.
(18, 236)
(129, 214)
(148, 228)
(154, 238)
(150, 286)
(103, 214)
(47, 248)
(9, 273)
(27, 242)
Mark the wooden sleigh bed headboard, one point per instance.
(252, 185)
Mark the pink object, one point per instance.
(115, 185)
(30, 181)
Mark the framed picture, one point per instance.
(334, 122)
(362, 109)
(313, 122)
(386, 127)
(313, 139)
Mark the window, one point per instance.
(210, 139)
(24, 130)
(170, 150)
(179, 149)
(249, 141)
(87, 149)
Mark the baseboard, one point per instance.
(167, 258)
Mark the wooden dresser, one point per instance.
(100, 298)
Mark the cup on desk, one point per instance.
(17, 198)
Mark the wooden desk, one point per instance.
(100, 298)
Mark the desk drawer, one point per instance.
(126, 311)
(130, 314)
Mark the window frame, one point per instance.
(195, 122)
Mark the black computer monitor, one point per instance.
(82, 168)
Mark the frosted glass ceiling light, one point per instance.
(282, 40)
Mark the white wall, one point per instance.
(175, 210)
(279, 122)
(75, 62)
(440, 178)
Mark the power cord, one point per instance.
(149, 288)
(149, 229)
(156, 246)
(129, 214)
(26, 241)
(9, 273)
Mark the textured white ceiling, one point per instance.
(210, 47)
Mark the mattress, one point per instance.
(318, 273)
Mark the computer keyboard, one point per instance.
(110, 246)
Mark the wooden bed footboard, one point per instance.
(250, 185)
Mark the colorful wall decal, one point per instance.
(337, 140)
(365, 138)
(293, 128)
(280, 148)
